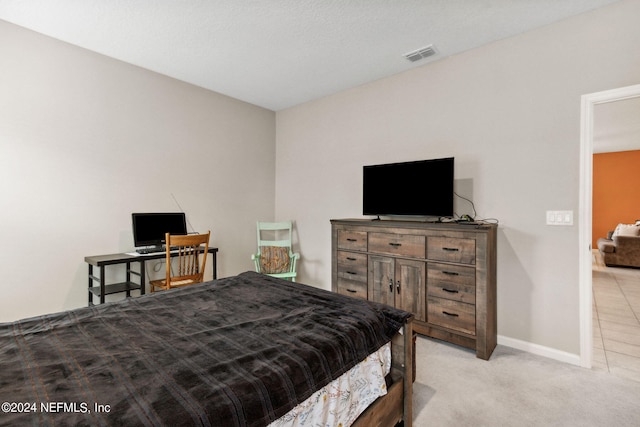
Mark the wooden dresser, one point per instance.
(443, 273)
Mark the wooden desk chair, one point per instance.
(275, 256)
(189, 269)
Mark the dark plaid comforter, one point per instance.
(240, 351)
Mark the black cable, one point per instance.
(485, 220)
(472, 205)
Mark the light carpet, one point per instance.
(515, 388)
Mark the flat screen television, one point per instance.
(418, 188)
(149, 229)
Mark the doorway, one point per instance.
(588, 104)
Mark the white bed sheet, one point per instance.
(341, 401)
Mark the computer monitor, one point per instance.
(149, 229)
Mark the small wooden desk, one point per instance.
(101, 261)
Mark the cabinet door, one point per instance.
(410, 287)
(381, 283)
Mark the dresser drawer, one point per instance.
(452, 314)
(452, 249)
(453, 282)
(352, 258)
(353, 240)
(352, 266)
(352, 288)
(397, 244)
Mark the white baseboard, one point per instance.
(540, 350)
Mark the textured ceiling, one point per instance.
(280, 53)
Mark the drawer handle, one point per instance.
(451, 291)
(351, 272)
(351, 290)
(350, 259)
(451, 273)
(395, 245)
(351, 240)
(450, 314)
(451, 249)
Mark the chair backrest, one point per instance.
(274, 247)
(274, 234)
(186, 250)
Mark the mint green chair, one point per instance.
(275, 256)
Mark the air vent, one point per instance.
(422, 53)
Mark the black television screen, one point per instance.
(419, 188)
(149, 229)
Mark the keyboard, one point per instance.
(146, 251)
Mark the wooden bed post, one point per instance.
(409, 371)
(397, 404)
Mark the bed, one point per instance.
(245, 350)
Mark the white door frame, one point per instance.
(589, 101)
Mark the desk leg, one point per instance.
(102, 285)
(128, 279)
(142, 277)
(214, 265)
(90, 284)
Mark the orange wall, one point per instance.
(616, 191)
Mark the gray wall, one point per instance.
(86, 140)
(509, 113)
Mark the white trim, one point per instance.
(585, 295)
(588, 103)
(540, 350)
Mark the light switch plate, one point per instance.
(559, 217)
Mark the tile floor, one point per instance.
(616, 319)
